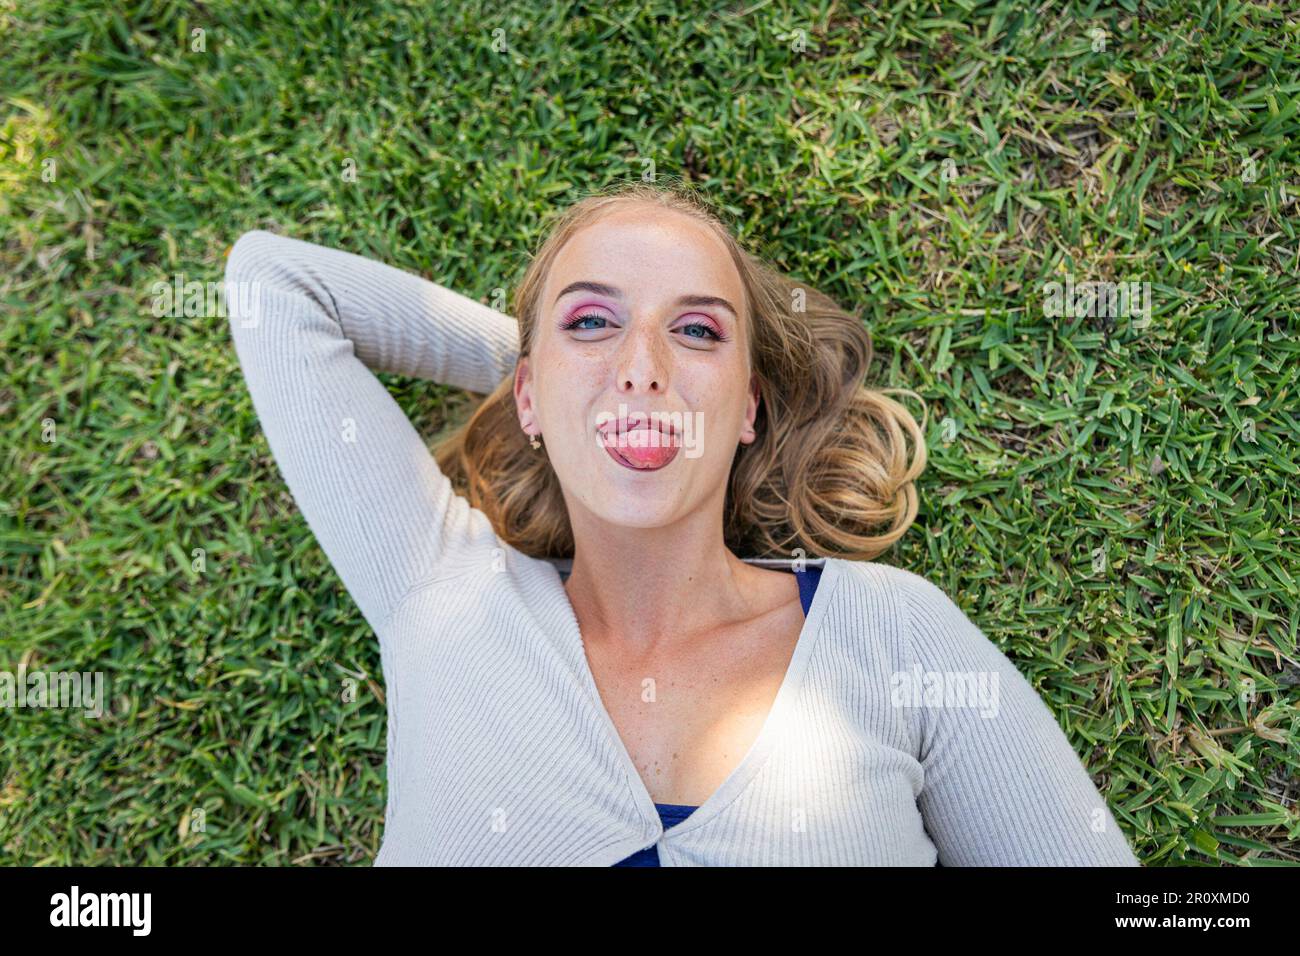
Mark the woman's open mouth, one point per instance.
(641, 448)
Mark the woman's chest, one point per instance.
(687, 717)
(502, 747)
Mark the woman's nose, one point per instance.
(642, 361)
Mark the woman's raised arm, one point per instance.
(1003, 786)
(311, 326)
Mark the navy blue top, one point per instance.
(672, 814)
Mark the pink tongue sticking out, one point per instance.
(646, 448)
(649, 457)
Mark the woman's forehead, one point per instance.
(644, 249)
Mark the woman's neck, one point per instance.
(648, 586)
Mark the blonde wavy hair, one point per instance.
(832, 470)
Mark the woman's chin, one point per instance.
(638, 501)
(623, 491)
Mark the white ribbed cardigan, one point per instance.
(500, 751)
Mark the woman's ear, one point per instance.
(747, 433)
(523, 391)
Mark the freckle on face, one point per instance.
(651, 257)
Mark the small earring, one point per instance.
(535, 443)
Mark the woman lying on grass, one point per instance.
(580, 667)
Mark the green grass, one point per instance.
(1066, 435)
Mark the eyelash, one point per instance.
(717, 336)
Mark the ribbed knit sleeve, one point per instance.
(1003, 786)
(311, 325)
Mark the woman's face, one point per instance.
(641, 331)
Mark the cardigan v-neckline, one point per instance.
(773, 723)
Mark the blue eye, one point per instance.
(708, 329)
(709, 332)
(583, 318)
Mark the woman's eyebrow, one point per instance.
(596, 287)
(702, 300)
(601, 289)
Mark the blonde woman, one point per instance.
(628, 614)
